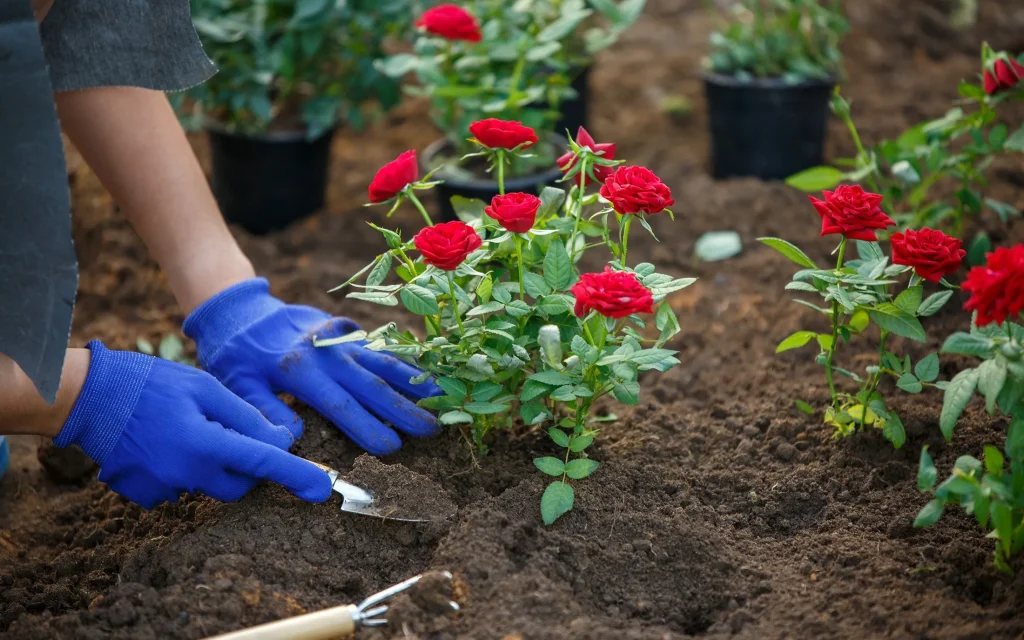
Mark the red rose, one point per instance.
(851, 211)
(931, 253)
(502, 134)
(447, 244)
(514, 211)
(635, 190)
(997, 289)
(394, 176)
(1004, 75)
(450, 21)
(613, 294)
(584, 139)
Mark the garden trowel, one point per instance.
(356, 499)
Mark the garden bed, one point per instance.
(718, 509)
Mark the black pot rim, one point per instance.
(483, 184)
(292, 135)
(732, 82)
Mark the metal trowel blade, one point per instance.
(359, 500)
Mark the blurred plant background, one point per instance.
(295, 64)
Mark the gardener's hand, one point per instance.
(158, 428)
(258, 346)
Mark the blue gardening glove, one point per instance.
(157, 429)
(258, 346)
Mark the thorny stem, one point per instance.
(877, 377)
(835, 331)
(519, 257)
(455, 301)
(624, 240)
(419, 206)
(579, 208)
(501, 171)
(862, 153)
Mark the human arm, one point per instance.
(252, 342)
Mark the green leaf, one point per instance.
(563, 26)
(816, 179)
(928, 368)
(933, 303)
(1016, 141)
(419, 300)
(930, 514)
(455, 417)
(627, 392)
(803, 406)
(551, 377)
(483, 290)
(580, 468)
(927, 474)
(976, 251)
(789, 250)
(909, 383)
(579, 443)
(550, 466)
(171, 348)
(452, 387)
(991, 378)
(1002, 520)
(968, 344)
(897, 321)
(145, 346)
(910, 299)
(557, 499)
(994, 460)
(535, 285)
(955, 399)
(376, 297)
(558, 272)
(488, 307)
(532, 390)
(380, 271)
(795, 341)
(517, 309)
(559, 437)
(893, 430)
(551, 198)
(486, 408)
(869, 251)
(981, 506)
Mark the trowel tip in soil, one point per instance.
(399, 493)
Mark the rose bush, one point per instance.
(858, 293)
(513, 332)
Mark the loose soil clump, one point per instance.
(401, 492)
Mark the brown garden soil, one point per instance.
(718, 510)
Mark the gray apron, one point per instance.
(87, 43)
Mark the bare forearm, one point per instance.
(23, 410)
(132, 140)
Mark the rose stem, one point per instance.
(419, 206)
(579, 208)
(626, 223)
(835, 330)
(519, 256)
(455, 302)
(501, 172)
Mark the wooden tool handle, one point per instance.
(322, 625)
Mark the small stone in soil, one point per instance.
(400, 491)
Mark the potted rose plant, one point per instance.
(513, 333)
(493, 63)
(768, 79)
(289, 74)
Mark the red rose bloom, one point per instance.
(394, 176)
(447, 244)
(613, 294)
(1004, 75)
(585, 140)
(851, 211)
(635, 190)
(502, 134)
(997, 289)
(514, 211)
(450, 21)
(931, 253)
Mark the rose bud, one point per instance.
(502, 134)
(585, 140)
(931, 253)
(393, 177)
(853, 212)
(613, 294)
(1004, 75)
(514, 211)
(636, 190)
(451, 22)
(997, 289)
(446, 245)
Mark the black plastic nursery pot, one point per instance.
(482, 188)
(265, 182)
(765, 128)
